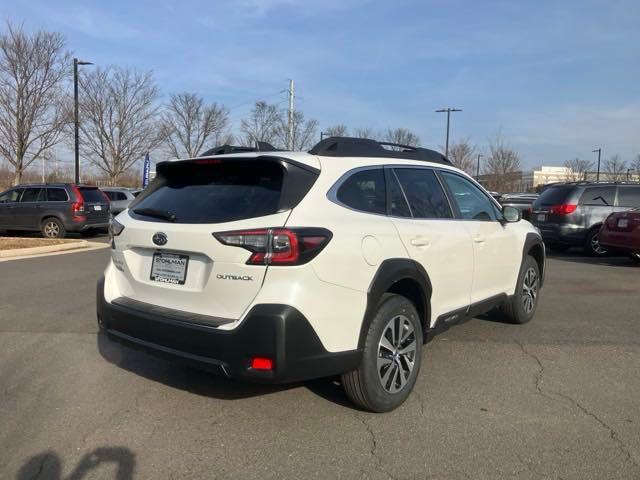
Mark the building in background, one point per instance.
(525, 181)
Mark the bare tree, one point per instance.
(635, 167)
(463, 155)
(339, 130)
(119, 118)
(364, 133)
(189, 125)
(616, 169)
(401, 136)
(578, 169)
(262, 124)
(33, 71)
(304, 131)
(502, 167)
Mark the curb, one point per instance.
(20, 252)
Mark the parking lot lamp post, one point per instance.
(76, 121)
(478, 167)
(448, 111)
(599, 150)
(628, 170)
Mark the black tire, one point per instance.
(52, 228)
(635, 256)
(592, 246)
(517, 308)
(364, 386)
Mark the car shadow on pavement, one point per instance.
(200, 382)
(48, 465)
(609, 261)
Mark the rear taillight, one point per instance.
(278, 246)
(77, 207)
(564, 209)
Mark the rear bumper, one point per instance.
(562, 234)
(82, 226)
(278, 332)
(623, 241)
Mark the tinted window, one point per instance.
(57, 195)
(365, 191)
(598, 196)
(11, 196)
(217, 193)
(135, 194)
(109, 194)
(91, 194)
(32, 194)
(629, 196)
(553, 196)
(398, 206)
(472, 203)
(424, 193)
(115, 196)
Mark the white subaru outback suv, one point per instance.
(276, 266)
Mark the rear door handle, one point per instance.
(420, 242)
(479, 239)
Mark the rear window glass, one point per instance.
(216, 193)
(56, 195)
(424, 193)
(364, 191)
(598, 196)
(629, 196)
(91, 195)
(553, 196)
(32, 195)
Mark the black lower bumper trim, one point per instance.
(275, 331)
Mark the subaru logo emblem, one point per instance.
(159, 238)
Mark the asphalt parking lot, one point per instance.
(556, 398)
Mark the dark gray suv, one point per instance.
(571, 214)
(54, 209)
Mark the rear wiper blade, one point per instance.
(152, 212)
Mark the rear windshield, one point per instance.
(215, 192)
(553, 196)
(91, 195)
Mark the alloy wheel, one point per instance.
(596, 247)
(529, 290)
(51, 230)
(396, 354)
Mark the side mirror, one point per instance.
(511, 214)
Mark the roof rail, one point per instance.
(226, 149)
(365, 147)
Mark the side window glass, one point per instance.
(364, 191)
(472, 203)
(10, 196)
(424, 193)
(398, 206)
(598, 196)
(628, 196)
(32, 194)
(56, 195)
(121, 196)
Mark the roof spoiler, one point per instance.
(227, 149)
(365, 147)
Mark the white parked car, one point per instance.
(276, 266)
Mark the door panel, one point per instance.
(8, 202)
(27, 212)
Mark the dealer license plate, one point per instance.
(169, 268)
(97, 207)
(542, 217)
(623, 223)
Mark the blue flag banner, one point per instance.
(145, 171)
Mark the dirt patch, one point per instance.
(11, 243)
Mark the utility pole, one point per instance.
(478, 167)
(599, 150)
(628, 170)
(76, 120)
(448, 110)
(290, 125)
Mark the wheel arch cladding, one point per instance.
(404, 277)
(534, 246)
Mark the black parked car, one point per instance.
(521, 201)
(571, 214)
(54, 209)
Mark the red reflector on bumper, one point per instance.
(261, 363)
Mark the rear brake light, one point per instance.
(77, 207)
(261, 363)
(278, 246)
(564, 209)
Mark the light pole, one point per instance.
(76, 121)
(478, 167)
(448, 110)
(628, 170)
(599, 150)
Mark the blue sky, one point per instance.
(558, 78)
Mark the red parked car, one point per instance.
(621, 232)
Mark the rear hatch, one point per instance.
(167, 251)
(96, 205)
(551, 206)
